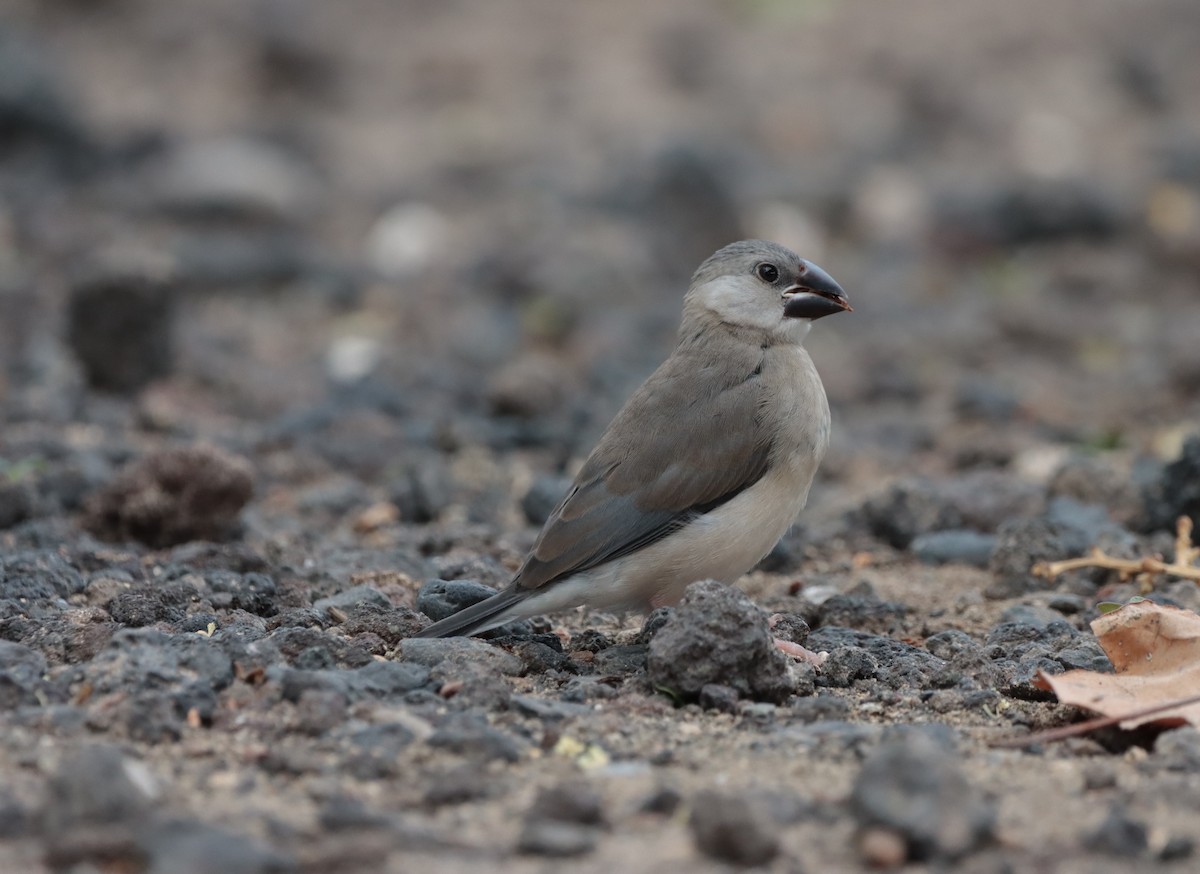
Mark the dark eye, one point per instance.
(767, 272)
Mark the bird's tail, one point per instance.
(478, 618)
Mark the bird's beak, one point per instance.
(814, 295)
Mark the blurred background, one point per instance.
(419, 251)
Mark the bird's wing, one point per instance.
(689, 440)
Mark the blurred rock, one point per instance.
(121, 320)
(717, 635)
(983, 400)
(35, 111)
(913, 785)
(954, 547)
(543, 496)
(235, 177)
(1091, 480)
(1177, 492)
(17, 501)
(1029, 212)
(194, 847)
(421, 490)
(734, 828)
(95, 785)
(908, 509)
(689, 210)
(533, 385)
(1119, 836)
(294, 53)
(173, 496)
(1020, 544)
(406, 239)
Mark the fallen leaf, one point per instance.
(1155, 651)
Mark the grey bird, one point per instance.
(708, 464)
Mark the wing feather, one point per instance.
(669, 456)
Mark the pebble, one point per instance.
(1118, 835)
(121, 321)
(913, 785)
(959, 546)
(733, 828)
(441, 599)
(234, 177)
(173, 496)
(459, 651)
(192, 847)
(718, 635)
(97, 784)
(1177, 491)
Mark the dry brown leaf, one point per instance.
(1156, 653)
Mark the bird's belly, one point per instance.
(720, 545)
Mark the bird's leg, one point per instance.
(795, 650)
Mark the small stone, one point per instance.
(121, 321)
(1177, 491)
(459, 651)
(441, 599)
(98, 785)
(913, 785)
(790, 627)
(845, 665)
(319, 711)
(1020, 544)
(1118, 836)
(17, 501)
(193, 847)
(543, 496)
(882, 848)
(173, 496)
(954, 547)
(347, 598)
(664, 801)
(908, 509)
(569, 802)
(733, 829)
(714, 696)
(234, 177)
(559, 840)
(458, 786)
(718, 635)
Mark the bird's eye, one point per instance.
(767, 272)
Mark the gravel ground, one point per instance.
(309, 311)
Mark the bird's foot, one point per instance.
(795, 650)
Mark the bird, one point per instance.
(705, 467)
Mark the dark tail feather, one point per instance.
(476, 618)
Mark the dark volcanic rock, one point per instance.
(563, 821)
(913, 785)
(907, 510)
(543, 496)
(717, 635)
(97, 785)
(194, 847)
(120, 324)
(857, 654)
(1020, 544)
(1177, 492)
(954, 547)
(21, 670)
(734, 829)
(440, 599)
(170, 497)
(459, 651)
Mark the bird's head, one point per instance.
(761, 285)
